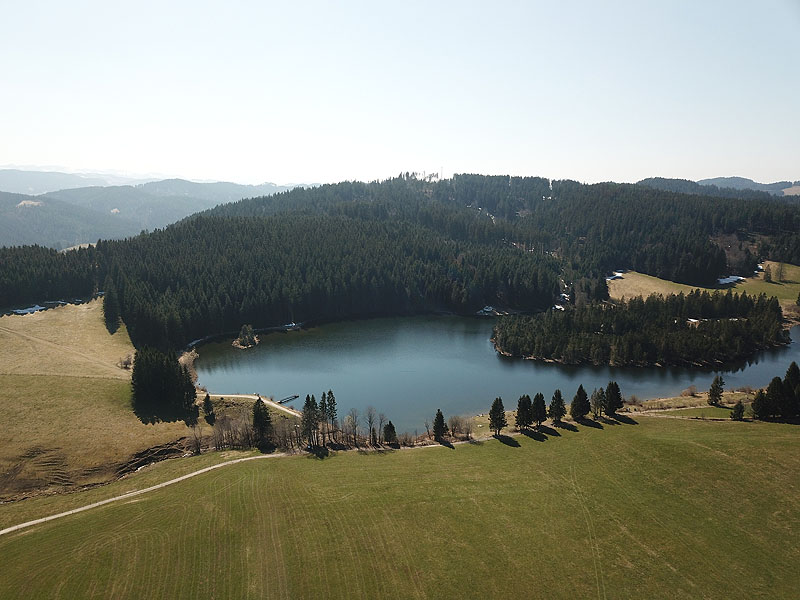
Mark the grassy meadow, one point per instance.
(65, 407)
(633, 284)
(666, 508)
(701, 412)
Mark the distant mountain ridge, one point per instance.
(723, 187)
(80, 213)
(742, 183)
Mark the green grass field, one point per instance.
(666, 508)
(702, 412)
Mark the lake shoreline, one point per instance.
(407, 367)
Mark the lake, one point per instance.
(408, 367)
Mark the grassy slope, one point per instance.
(65, 406)
(638, 284)
(701, 412)
(667, 508)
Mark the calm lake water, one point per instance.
(408, 367)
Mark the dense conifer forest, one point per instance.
(400, 246)
(693, 329)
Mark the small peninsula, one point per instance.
(696, 329)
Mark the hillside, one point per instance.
(79, 214)
(66, 411)
(55, 223)
(665, 508)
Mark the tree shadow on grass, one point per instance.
(320, 452)
(446, 444)
(474, 442)
(534, 435)
(617, 419)
(566, 426)
(507, 440)
(589, 423)
(549, 431)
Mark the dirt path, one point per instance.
(134, 493)
(270, 403)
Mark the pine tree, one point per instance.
(262, 422)
(760, 406)
(776, 402)
(389, 433)
(309, 422)
(524, 414)
(111, 309)
(332, 414)
(557, 408)
(497, 416)
(737, 414)
(613, 398)
(538, 409)
(580, 404)
(715, 391)
(208, 410)
(791, 388)
(439, 426)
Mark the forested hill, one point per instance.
(594, 228)
(211, 275)
(399, 246)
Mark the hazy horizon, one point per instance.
(318, 93)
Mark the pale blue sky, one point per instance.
(327, 91)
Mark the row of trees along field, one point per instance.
(781, 399)
(393, 247)
(696, 328)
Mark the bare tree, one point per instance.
(197, 437)
(371, 416)
(427, 428)
(354, 417)
(456, 425)
(468, 428)
(381, 423)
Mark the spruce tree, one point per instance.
(760, 406)
(538, 409)
(524, 414)
(791, 388)
(737, 414)
(332, 414)
(111, 309)
(557, 408)
(262, 422)
(613, 398)
(715, 391)
(580, 404)
(389, 433)
(497, 416)
(775, 397)
(208, 410)
(309, 422)
(439, 426)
